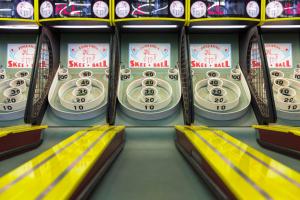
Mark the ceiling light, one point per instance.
(219, 26)
(79, 26)
(23, 27)
(280, 26)
(150, 26)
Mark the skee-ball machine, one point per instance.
(151, 76)
(19, 40)
(75, 57)
(149, 87)
(281, 40)
(76, 43)
(221, 60)
(229, 89)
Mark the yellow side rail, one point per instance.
(247, 173)
(20, 129)
(57, 172)
(279, 128)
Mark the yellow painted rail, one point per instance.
(20, 129)
(57, 172)
(247, 173)
(279, 128)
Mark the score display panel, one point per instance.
(149, 86)
(220, 90)
(224, 8)
(156, 8)
(285, 77)
(17, 9)
(79, 90)
(76, 8)
(15, 79)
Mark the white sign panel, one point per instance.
(279, 55)
(20, 55)
(149, 55)
(210, 55)
(88, 55)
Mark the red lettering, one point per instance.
(10, 64)
(71, 63)
(166, 63)
(193, 64)
(131, 63)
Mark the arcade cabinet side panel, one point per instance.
(45, 66)
(113, 78)
(186, 79)
(21, 72)
(254, 67)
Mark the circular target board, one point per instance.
(220, 90)
(15, 78)
(286, 93)
(149, 88)
(80, 89)
(285, 77)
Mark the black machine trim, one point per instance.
(186, 79)
(38, 97)
(113, 78)
(261, 90)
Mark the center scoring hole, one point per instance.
(218, 92)
(149, 82)
(149, 91)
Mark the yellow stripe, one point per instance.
(279, 128)
(32, 163)
(269, 178)
(283, 19)
(226, 173)
(39, 180)
(20, 129)
(262, 12)
(82, 168)
(36, 11)
(187, 12)
(113, 12)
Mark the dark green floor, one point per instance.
(149, 167)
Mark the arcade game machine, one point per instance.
(18, 41)
(149, 75)
(149, 96)
(280, 32)
(231, 91)
(76, 43)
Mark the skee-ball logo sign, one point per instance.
(93, 55)
(152, 55)
(20, 55)
(210, 55)
(279, 55)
